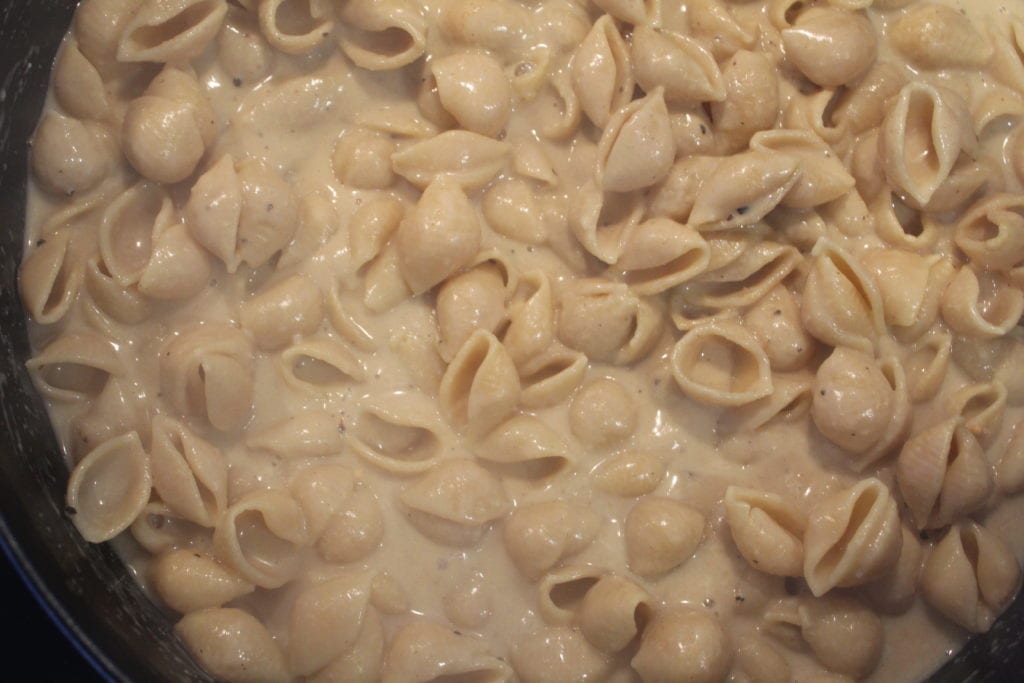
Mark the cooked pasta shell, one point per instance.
(897, 589)
(355, 531)
(602, 413)
(207, 371)
(382, 37)
(74, 367)
(551, 376)
(970, 576)
(187, 581)
(269, 214)
(762, 662)
(982, 407)
(910, 287)
(70, 156)
(991, 233)
(165, 138)
(630, 474)
(1007, 63)
(602, 73)
(934, 36)
(531, 318)
(468, 159)
(159, 530)
(307, 27)
(831, 47)
(841, 304)
(981, 305)
(481, 387)
(261, 537)
(607, 322)
(242, 49)
(78, 85)
(310, 434)
(603, 221)
(440, 236)
(683, 643)
(943, 475)
(928, 364)
(853, 537)
(321, 365)
(178, 268)
(277, 315)
(745, 280)
(116, 410)
(863, 106)
(752, 101)
(511, 209)
(921, 138)
(538, 536)
(676, 195)
(325, 622)
(614, 612)
(370, 228)
(455, 502)
(109, 488)
(128, 228)
(189, 474)
(822, 176)
(743, 188)
(50, 277)
(401, 436)
(1010, 470)
(720, 363)
(660, 535)
(558, 654)
(422, 651)
(687, 71)
(845, 636)
(767, 529)
(660, 254)
(473, 88)
(175, 31)
(323, 492)
(775, 321)
(362, 159)
(232, 645)
(468, 302)
(712, 22)
(562, 590)
(525, 447)
(636, 12)
(637, 147)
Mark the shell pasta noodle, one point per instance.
(548, 340)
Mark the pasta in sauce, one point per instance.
(545, 341)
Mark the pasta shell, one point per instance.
(70, 156)
(109, 488)
(991, 233)
(602, 73)
(762, 662)
(683, 642)
(558, 654)
(863, 106)
(354, 532)
(261, 537)
(614, 612)
(401, 436)
(636, 12)
(637, 147)
(933, 36)
(511, 209)
(603, 222)
(189, 473)
(982, 306)
(175, 31)
(602, 413)
(841, 304)
(165, 138)
(982, 407)
(525, 447)
(382, 38)
(896, 591)
(473, 88)
(844, 635)
(720, 363)
(276, 316)
(50, 278)
(232, 645)
(752, 100)
(775, 321)
(159, 530)
(468, 159)
(207, 371)
(928, 364)
(116, 410)
(676, 195)
(310, 434)
(1010, 470)
(178, 268)
(822, 176)
(305, 30)
(370, 228)
(747, 279)
(531, 318)
(455, 502)
(712, 22)
(325, 622)
(660, 535)
(562, 591)
(468, 302)
(630, 474)
(129, 224)
(910, 287)
(661, 254)
(242, 49)
(852, 537)
(552, 376)
(604, 320)
(921, 138)
(321, 365)
(481, 386)
(742, 189)
(813, 43)
(687, 71)
(78, 85)
(943, 475)
(422, 651)
(362, 159)
(767, 529)
(440, 236)
(74, 367)
(323, 492)
(540, 535)
(970, 576)
(188, 582)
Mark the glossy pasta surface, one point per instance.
(560, 340)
